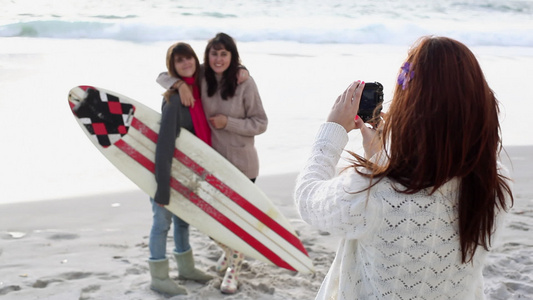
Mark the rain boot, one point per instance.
(231, 279)
(222, 263)
(161, 282)
(187, 270)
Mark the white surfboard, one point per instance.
(207, 191)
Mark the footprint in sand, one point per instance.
(43, 283)
(75, 275)
(134, 271)
(9, 289)
(116, 246)
(91, 288)
(265, 288)
(63, 236)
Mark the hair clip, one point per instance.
(405, 75)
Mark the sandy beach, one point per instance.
(73, 227)
(96, 248)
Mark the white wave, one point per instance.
(327, 31)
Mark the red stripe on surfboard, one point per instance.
(136, 155)
(206, 207)
(236, 229)
(226, 190)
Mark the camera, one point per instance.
(371, 101)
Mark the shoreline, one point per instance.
(520, 152)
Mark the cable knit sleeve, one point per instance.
(166, 81)
(334, 203)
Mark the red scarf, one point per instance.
(201, 128)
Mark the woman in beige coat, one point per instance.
(236, 115)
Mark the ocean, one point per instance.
(302, 55)
(487, 23)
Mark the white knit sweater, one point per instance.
(394, 245)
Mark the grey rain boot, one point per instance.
(187, 270)
(160, 280)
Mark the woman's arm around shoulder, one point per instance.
(172, 83)
(166, 81)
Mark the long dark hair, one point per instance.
(229, 81)
(443, 124)
(184, 50)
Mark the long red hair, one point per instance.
(443, 124)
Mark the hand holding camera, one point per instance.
(345, 107)
(368, 107)
(364, 101)
(371, 102)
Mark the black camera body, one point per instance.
(371, 101)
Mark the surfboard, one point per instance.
(207, 191)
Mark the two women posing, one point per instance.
(227, 115)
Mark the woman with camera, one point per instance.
(418, 214)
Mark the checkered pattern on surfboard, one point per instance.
(104, 116)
